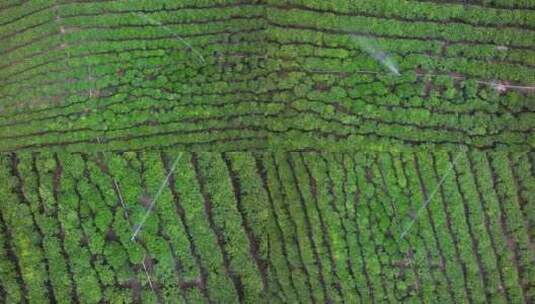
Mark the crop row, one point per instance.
(275, 74)
(74, 216)
(115, 121)
(527, 5)
(343, 240)
(410, 55)
(308, 227)
(394, 28)
(421, 12)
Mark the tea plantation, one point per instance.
(267, 151)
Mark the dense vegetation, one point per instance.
(297, 227)
(279, 75)
(67, 222)
(224, 151)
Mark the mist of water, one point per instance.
(161, 25)
(372, 48)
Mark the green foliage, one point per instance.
(394, 214)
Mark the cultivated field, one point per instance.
(303, 151)
(297, 227)
(205, 75)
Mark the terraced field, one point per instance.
(115, 75)
(267, 151)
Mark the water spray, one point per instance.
(372, 48)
